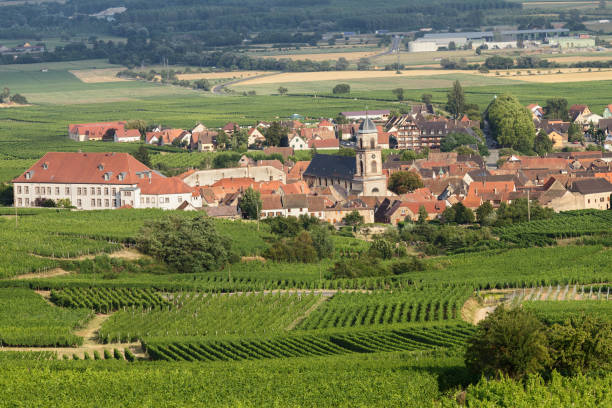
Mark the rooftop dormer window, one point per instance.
(45, 166)
(29, 175)
(100, 167)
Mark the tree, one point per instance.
(459, 214)
(499, 62)
(251, 204)
(341, 119)
(381, 248)
(6, 194)
(402, 182)
(202, 84)
(186, 245)
(353, 219)
(508, 342)
(342, 64)
(274, 134)
(426, 98)
(455, 100)
(485, 214)
(399, 93)
(452, 46)
(282, 90)
(511, 123)
(363, 64)
(581, 344)
(341, 89)
(4, 96)
(322, 241)
(423, 215)
(542, 143)
(574, 132)
(142, 155)
(556, 108)
(19, 99)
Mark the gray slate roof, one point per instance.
(332, 166)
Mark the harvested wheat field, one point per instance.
(220, 75)
(566, 75)
(95, 76)
(325, 56)
(346, 75)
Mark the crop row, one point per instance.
(320, 344)
(405, 306)
(105, 300)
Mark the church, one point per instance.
(361, 175)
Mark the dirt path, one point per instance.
(307, 313)
(126, 253)
(482, 313)
(38, 275)
(90, 342)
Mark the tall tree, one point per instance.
(455, 104)
(274, 134)
(399, 93)
(251, 204)
(485, 214)
(511, 124)
(556, 108)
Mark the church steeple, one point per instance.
(368, 154)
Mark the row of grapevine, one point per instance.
(319, 344)
(410, 305)
(116, 354)
(205, 314)
(105, 300)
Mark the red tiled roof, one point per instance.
(127, 133)
(163, 185)
(86, 168)
(325, 143)
(166, 135)
(298, 169)
(299, 187)
(325, 122)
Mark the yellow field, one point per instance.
(566, 75)
(220, 75)
(95, 76)
(344, 75)
(325, 56)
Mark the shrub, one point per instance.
(107, 355)
(341, 89)
(509, 342)
(409, 265)
(117, 354)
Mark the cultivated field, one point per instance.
(94, 76)
(222, 75)
(325, 56)
(554, 77)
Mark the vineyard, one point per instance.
(569, 224)
(559, 311)
(310, 345)
(382, 308)
(26, 319)
(107, 300)
(201, 314)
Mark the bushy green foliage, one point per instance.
(185, 244)
(342, 89)
(459, 214)
(297, 249)
(508, 342)
(511, 123)
(250, 204)
(402, 182)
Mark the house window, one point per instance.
(105, 190)
(78, 190)
(19, 201)
(148, 200)
(67, 190)
(167, 199)
(19, 190)
(153, 200)
(99, 202)
(27, 190)
(178, 199)
(99, 191)
(601, 199)
(93, 202)
(57, 190)
(106, 202)
(114, 191)
(37, 189)
(589, 201)
(48, 190)
(141, 200)
(27, 201)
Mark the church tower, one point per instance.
(368, 155)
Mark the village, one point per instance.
(331, 186)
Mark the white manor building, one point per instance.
(99, 181)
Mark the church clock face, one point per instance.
(373, 156)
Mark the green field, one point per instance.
(361, 87)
